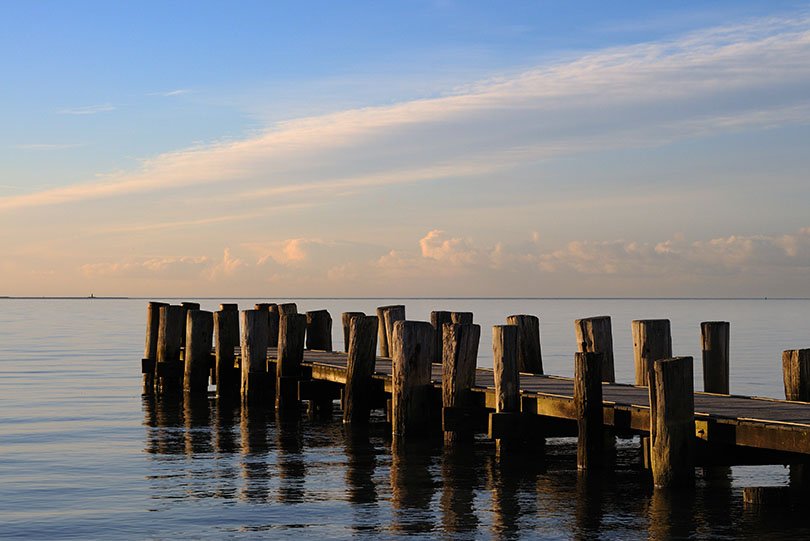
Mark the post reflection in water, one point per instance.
(255, 471)
(361, 465)
(411, 487)
(503, 476)
(225, 447)
(671, 514)
(164, 416)
(589, 506)
(197, 420)
(290, 462)
(459, 472)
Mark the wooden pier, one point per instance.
(679, 428)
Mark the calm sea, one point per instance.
(84, 456)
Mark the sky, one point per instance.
(421, 148)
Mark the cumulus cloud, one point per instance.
(436, 246)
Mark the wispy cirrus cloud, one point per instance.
(87, 109)
(171, 93)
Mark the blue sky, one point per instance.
(419, 148)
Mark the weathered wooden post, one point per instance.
(672, 422)
(319, 330)
(187, 307)
(652, 341)
(504, 424)
(461, 318)
(346, 320)
(412, 350)
(362, 346)
(588, 403)
(150, 348)
(168, 368)
(273, 313)
(226, 340)
(796, 374)
(199, 333)
(529, 357)
(714, 340)
(459, 358)
(255, 385)
(594, 334)
(437, 319)
(292, 328)
(387, 316)
(288, 308)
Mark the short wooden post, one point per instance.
(714, 340)
(226, 339)
(199, 333)
(288, 308)
(168, 368)
(594, 334)
(273, 314)
(796, 374)
(672, 422)
(187, 307)
(652, 341)
(504, 424)
(437, 319)
(346, 320)
(459, 358)
(529, 357)
(319, 330)
(362, 344)
(387, 316)
(254, 357)
(292, 329)
(461, 318)
(588, 403)
(150, 348)
(412, 346)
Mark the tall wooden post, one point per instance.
(504, 424)
(594, 334)
(226, 340)
(346, 320)
(459, 358)
(361, 358)
(255, 388)
(387, 316)
(199, 333)
(187, 307)
(168, 368)
(319, 330)
(796, 374)
(461, 318)
(273, 314)
(150, 348)
(437, 319)
(588, 403)
(529, 357)
(292, 328)
(412, 345)
(651, 341)
(672, 422)
(714, 341)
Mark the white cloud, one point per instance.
(87, 110)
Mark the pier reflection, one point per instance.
(412, 487)
(290, 462)
(255, 470)
(460, 467)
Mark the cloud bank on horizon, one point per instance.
(673, 167)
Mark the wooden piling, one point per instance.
(362, 347)
(437, 319)
(150, 348)
(346, 319)
(387, 315)
(796, 374)
(199, 334)
(588, 404)
(594, 334)
(168, 368)
(319, 330)
(226, 339)
(672, 422)
(292, 329)
(529, 357)
(288, 308)
(187, 307)
(461, 318)
(412, 347)
(273, 314)
(459, 357)
(715, 340)
(504, 424)
(255, 387)
(652, 341)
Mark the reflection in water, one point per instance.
(225, 473)
(504, 480)
(459, 470)
(411, 487)
(290, 463)
(671, 514)
(589, 507)
(255, 471)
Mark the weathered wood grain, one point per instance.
(651, 341)
(319, 330)
(459, 357)
(226, 339)
(715, 343)
(359, 369)
(199, 335)
(530, 358)
(292, 329)
(412, 346)
(588, 404)
(796, 374)
(594, 334)
(345, 319)
(254, 354)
